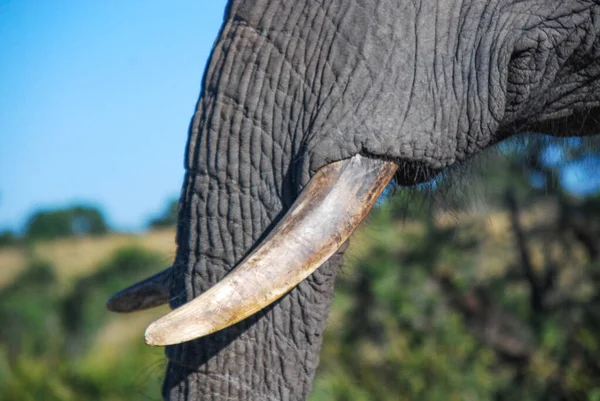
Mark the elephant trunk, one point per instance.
(243, 171)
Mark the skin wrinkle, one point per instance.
(269, 86)
(313, 63)
(438, 70)
(289, 54)
(213, 242)
(297, 120)
(334, 86)
(288, 90)
(541, 106)
(377, 79)
(315, 60)
(306, 62)
(497, 59)
(204, 112)
(462, 74)
(256, 124)
(415, 51)
(272, 41)
(300, 73)
(285, 59)
(372, 80)
(336, 102)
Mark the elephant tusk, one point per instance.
(148, 293)
(325, 214)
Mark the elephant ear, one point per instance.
(146, 294)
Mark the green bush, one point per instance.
(29, 305)
(45, 345)
(169, 216)
(83, 310)
(69, 222)
(8, 238)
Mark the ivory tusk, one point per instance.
(148, 293)
(325, 214)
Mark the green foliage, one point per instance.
(134, 376)
(44, 350)
(8, 238)
(29, 304)
(398, 338)
(413, 320)
(81, 315)
(69, 222)
(169, 216)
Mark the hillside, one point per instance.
(431, 308)
(76, 257)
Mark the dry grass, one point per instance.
(12, 261)
(121, 331)
(75, 257)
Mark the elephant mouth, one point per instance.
(322, 218)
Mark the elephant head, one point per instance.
(307, 109)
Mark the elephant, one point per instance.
(307, 110)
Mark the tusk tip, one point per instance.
(153, 338)
(170, 331)
(157, 335)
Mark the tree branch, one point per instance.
(536, 291)
(502, 332)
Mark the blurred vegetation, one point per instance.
(8, 238)
(478, 288)
(47, 347)
(494, 304)
(168, 218)
(68, 222)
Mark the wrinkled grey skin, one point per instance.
(295, 84)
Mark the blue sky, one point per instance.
(95, 102)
